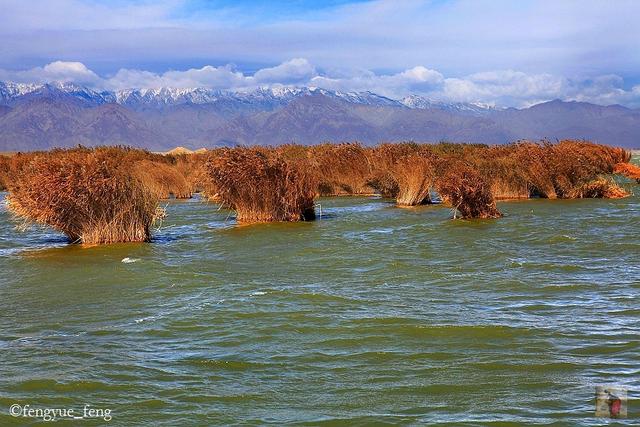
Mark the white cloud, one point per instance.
(456, 37)
(55, 71)
(504, 87)
(297, 70)
(501, 87)
(414, 80)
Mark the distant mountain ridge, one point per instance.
(166, 96)
(42, 116)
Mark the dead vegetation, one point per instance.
(110, 194)
(601, 188)
(469, 194)
(5, 163)
(629, 170)
(415, 175)
(162, 179)
(340, 169)
(91, 195)
(261, 186)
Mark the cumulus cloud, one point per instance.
(297, 70)
(456, 37)
(506, 88)
(55, 71)
(418, 79)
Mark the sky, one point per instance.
(497, 52)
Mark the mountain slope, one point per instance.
(63, 114)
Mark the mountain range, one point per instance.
(43, 116)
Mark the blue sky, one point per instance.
(504, 52)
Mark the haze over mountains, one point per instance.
(35, 117)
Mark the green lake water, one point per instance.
(371, 314)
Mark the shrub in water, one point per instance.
(629, 170)
(164, 180)
(601, 188)
(91, 196)
(467, 191)
(341, 169)
(261, 186)
(4, 172)
(414, 175)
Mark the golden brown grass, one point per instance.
(192, 168)
(415, 176)
(162, 179)
(464, 188)
(629, 170)
(90, 195)
(340, 169)
(260, 186)
(5, 163)
(601, 188)
(541, 169)
(110, 194)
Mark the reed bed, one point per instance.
(629, 170)
(527, 169)
(90, 195)
(261, 186)
(5, 163)
(384, 169)
(601, 187)
(467, 191)
(110, 194)
(415, 175)
(191, 167)
(162, 179)
(340, 169)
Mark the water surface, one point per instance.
(370, 314)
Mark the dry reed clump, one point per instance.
(162, 179)
(89, 195)
(191, 167)
(383, 160)
(415, 176)
(629, 170)
(600, 187)
(262, 187)
(572, 164)
(530, 159)
(545, 170)
(5, 163)
(504, 174)
(340, 169)
(466, 190)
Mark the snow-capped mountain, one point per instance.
(263, 97)
(10, 92)
(419, 102)
(42, 116)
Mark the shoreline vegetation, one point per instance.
(112, 194)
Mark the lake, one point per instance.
(370, 314)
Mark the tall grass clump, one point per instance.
(503, 172)
(5, 163)
(261, 186)
(340, 169)
(415, 175)
(600, 188)
(191, 167)
(464, 188)
(561, 170)
(90, 195)
(573, 164)
(162, 179)
(383, 162)
(629, 170)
